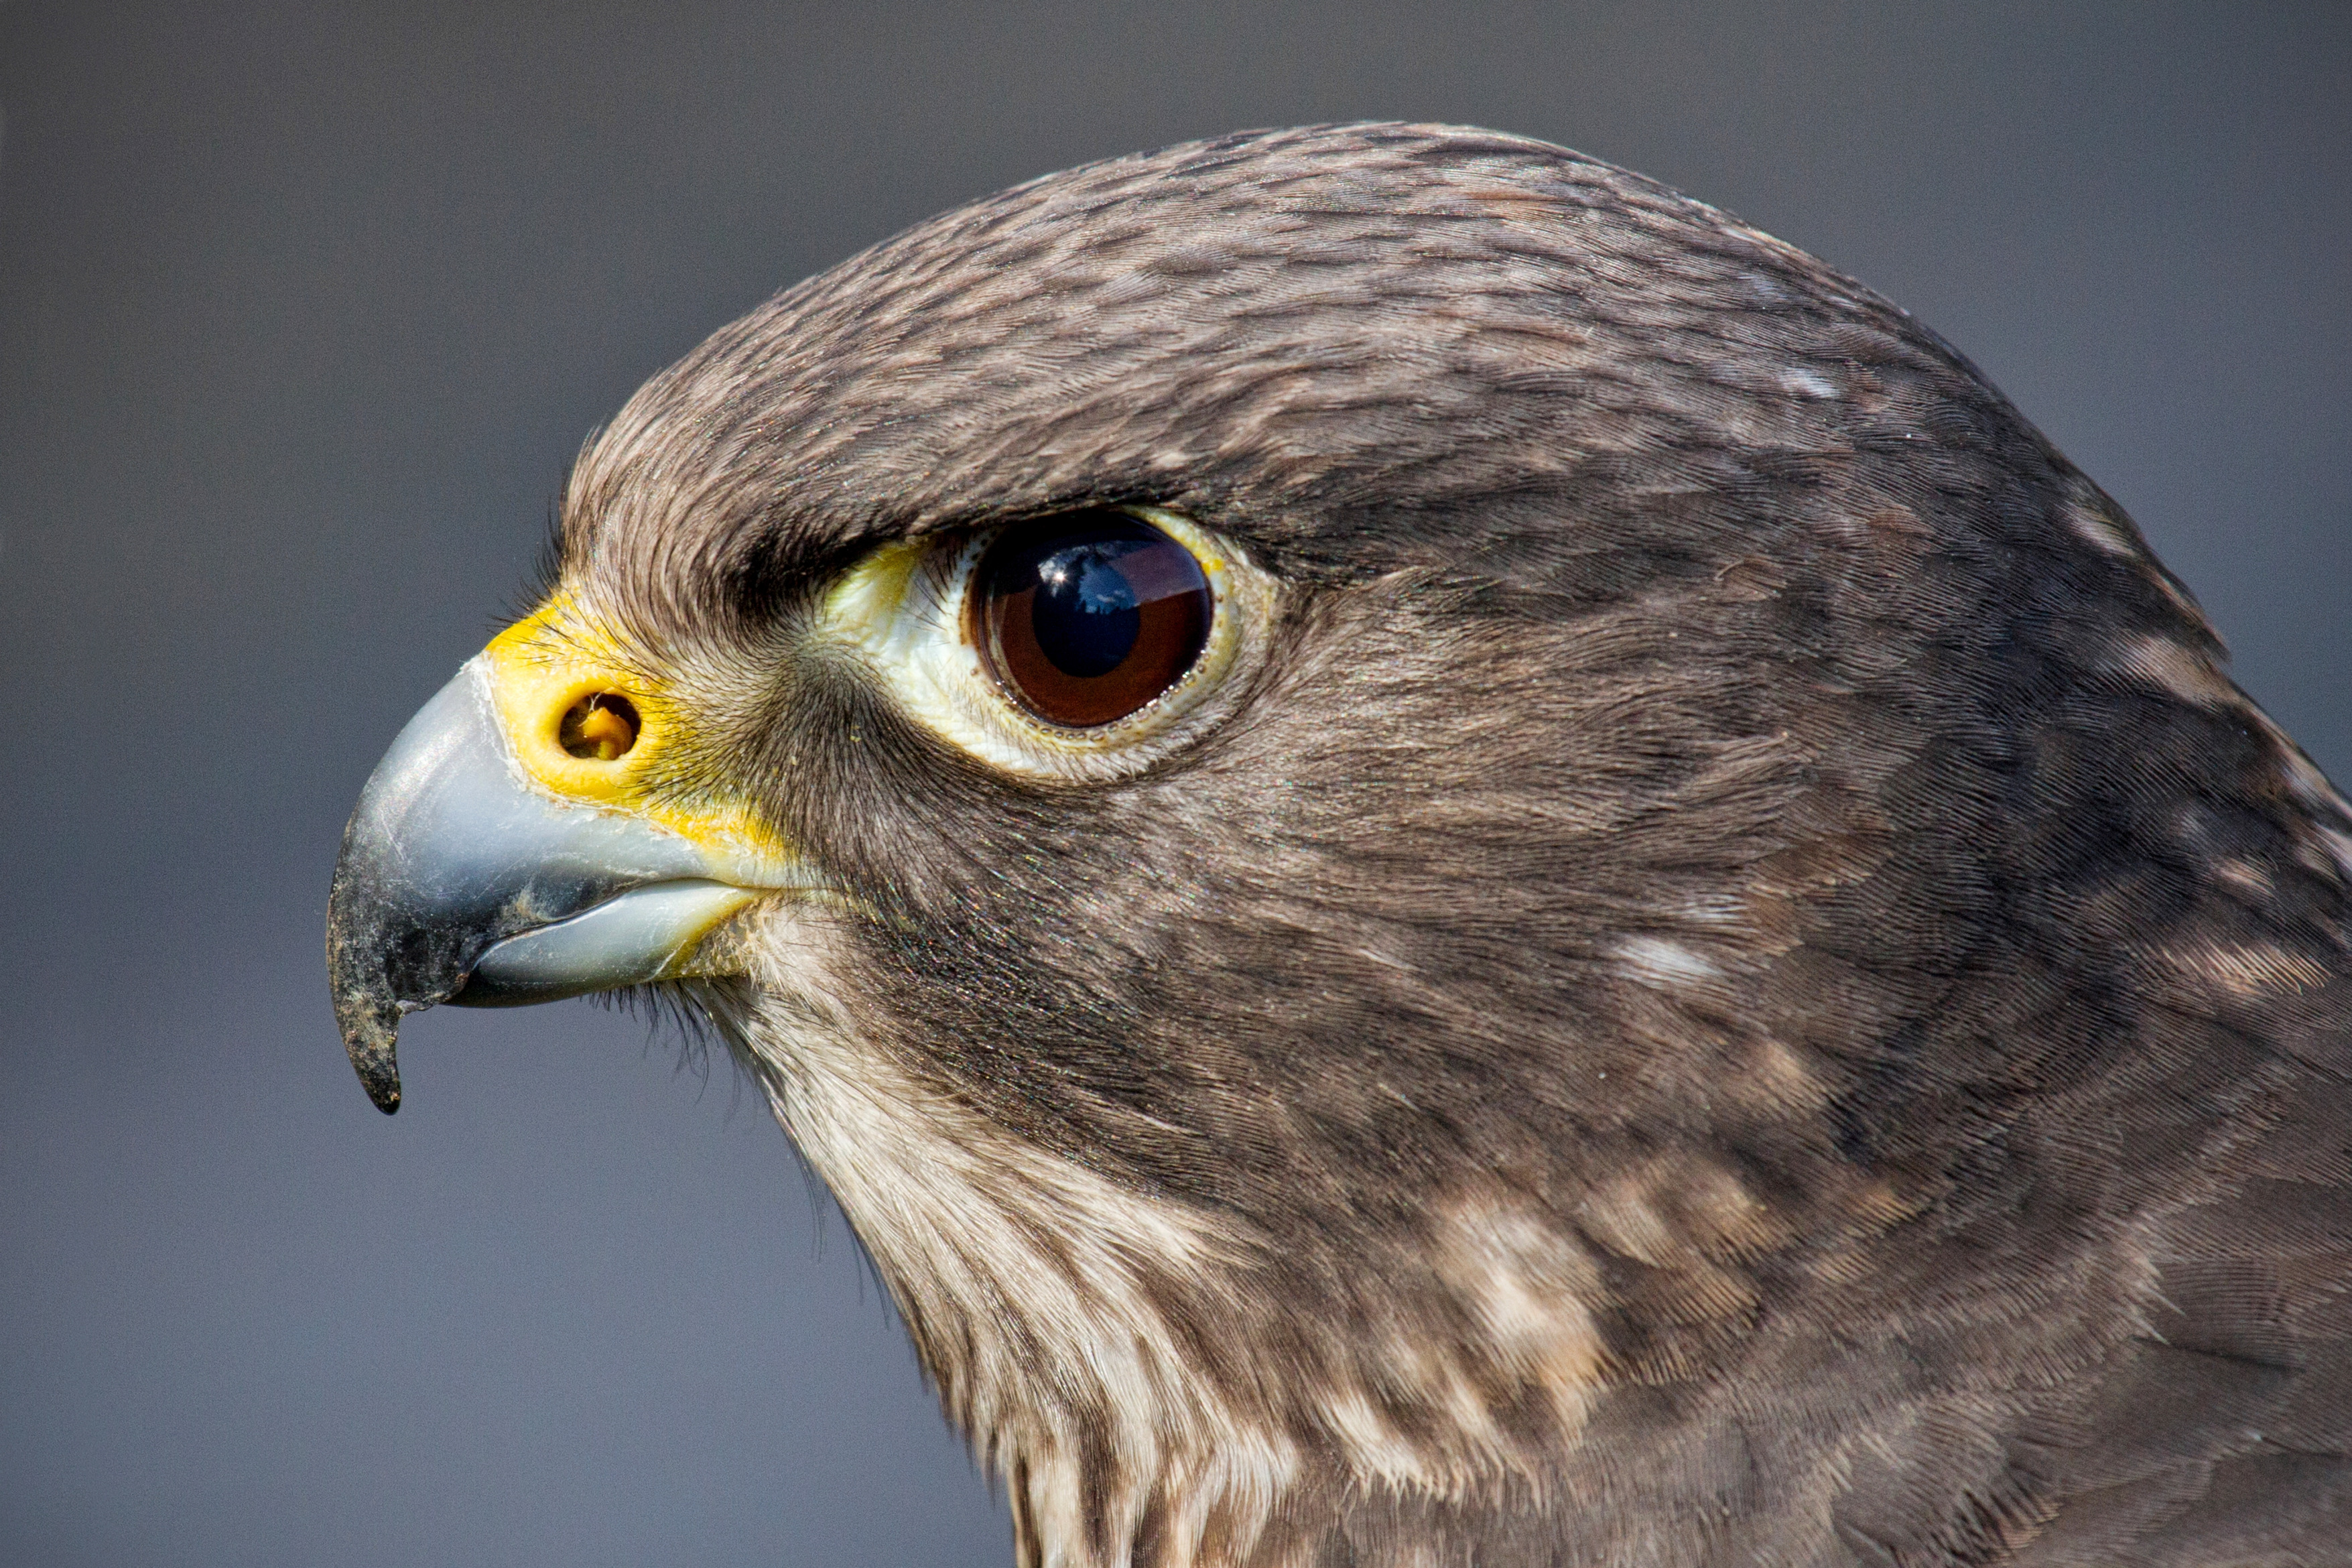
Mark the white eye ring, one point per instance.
(903, 610)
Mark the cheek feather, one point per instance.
(1036, 1290)
(1063, 1316)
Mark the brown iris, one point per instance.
(601, 725)
(1087, 617)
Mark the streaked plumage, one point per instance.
(1721, 977)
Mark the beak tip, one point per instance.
(364, 992)
(384, 1091)
(370, 1035)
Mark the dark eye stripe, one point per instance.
(1086, 618)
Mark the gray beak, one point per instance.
(462, 880)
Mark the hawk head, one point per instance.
(1443, 853)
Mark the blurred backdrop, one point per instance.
(303, 310)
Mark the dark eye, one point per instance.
(1084, 619)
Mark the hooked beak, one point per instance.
(489, 864)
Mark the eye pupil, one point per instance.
(1084, 613)
(1086, 618)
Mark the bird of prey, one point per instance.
(1453, 864)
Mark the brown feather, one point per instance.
(1736, 986)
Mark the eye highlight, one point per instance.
(1086, 618)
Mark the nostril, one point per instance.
(601, 725)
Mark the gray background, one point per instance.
(303, 310)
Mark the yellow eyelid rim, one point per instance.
(936, 673)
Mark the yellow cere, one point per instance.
(587, 725)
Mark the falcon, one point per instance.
(1453, 863)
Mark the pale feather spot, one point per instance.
(1671, 1214)
(1654, 961)
(1799, 381)
(1724, 1214)
(2338, 846)
(1620, 1216)
(2180, 670)
(2304, 780)
(1376, 1449)
(1530, 1285)
(2173, 594)
(1778, 1076)
(2244, 969)
(2245, 876)
(2100, 531)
